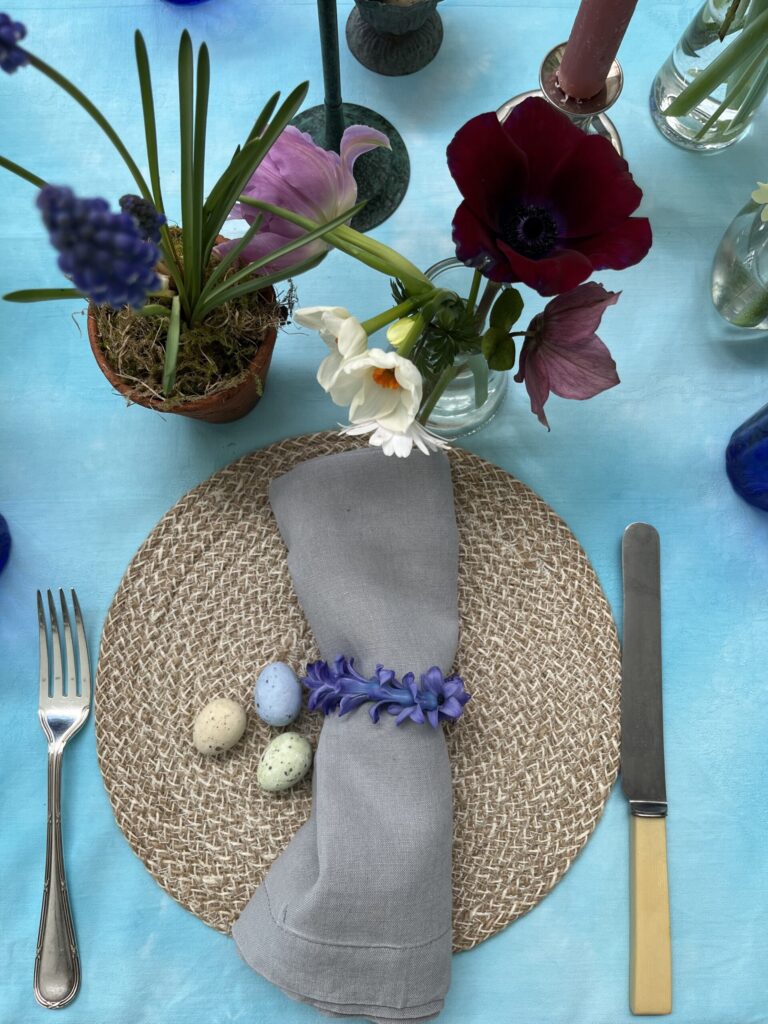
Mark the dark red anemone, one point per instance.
(544, 203)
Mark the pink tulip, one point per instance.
(562, 353)
(302, 177)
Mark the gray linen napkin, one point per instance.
(355, 916)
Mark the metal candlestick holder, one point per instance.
(382, 175)
(590, 115)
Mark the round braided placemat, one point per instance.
(207, 601)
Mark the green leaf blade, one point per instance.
(172, 347)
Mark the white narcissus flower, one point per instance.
(760, 195)
(388, 389)
(400, 445)
(345, 337)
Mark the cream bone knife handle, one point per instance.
(650, 979)
(642, 772)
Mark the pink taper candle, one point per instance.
(595, 39)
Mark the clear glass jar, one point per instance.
(698, 46)
(474, 396)
(740, 270)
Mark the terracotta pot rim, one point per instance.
(204, 405)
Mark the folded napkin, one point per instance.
(355, 916)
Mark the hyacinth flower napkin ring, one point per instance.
(354, 917)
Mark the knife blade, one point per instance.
(642, 773)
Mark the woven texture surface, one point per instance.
(208, 601)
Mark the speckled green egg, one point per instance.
(285, 762)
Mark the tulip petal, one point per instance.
(563, 270)
(359, 139)
(593, 190)
(489, 169)
(547, 137)
(622, 246)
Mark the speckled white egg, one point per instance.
(277, 694)
(218, 726)
(285, 762)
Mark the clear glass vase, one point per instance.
(474, 396)
(698, 46)
(740, 270)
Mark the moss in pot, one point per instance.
(179, 318)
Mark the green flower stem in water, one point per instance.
(492, 289)
(752, 40)
(441, 384)
(474, 289)
(479, 367)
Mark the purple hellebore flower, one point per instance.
(562, 353)
(302, 177)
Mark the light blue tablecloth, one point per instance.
(83, 479)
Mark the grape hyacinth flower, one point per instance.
(148, 220)
(341, 687)
(300, 176)
(12, 56)
(102, 252)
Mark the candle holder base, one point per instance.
(382, 175)
(590, 115)
(387, 52)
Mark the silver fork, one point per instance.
(62, 711)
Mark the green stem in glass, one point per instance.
(492, 289)
(474, 289)
(441, 384)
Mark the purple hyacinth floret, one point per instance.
(148, 220)
(341, 687)
(12, 56)
(102, 252)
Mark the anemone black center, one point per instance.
(529, 230)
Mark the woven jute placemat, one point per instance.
(208, 601)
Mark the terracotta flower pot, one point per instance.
(223, 406)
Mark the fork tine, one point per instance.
(58, 679)
(82, 650)
(71, 673)
(44, 675)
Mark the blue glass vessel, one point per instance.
(5, 543)
(746, 459)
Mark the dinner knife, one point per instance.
(642, 773)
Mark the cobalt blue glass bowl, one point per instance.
(5, 542)
(746, 459)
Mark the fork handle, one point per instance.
(57, 964)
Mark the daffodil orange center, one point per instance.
(385, 378)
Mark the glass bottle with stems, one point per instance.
(740, 266)
(706, 94)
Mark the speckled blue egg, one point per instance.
(277, 694)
